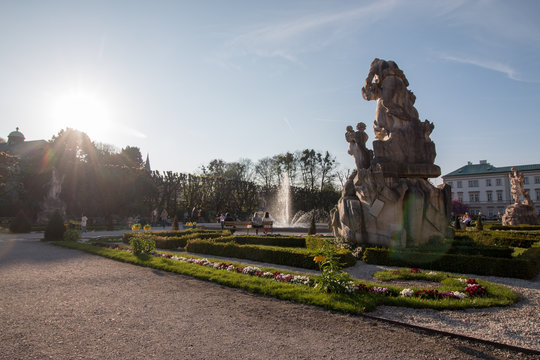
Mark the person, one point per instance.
(222, 221)
(466, 219)
(154, 217)
(164, 216)
(266, 219)
(257, 223)
(84, 219)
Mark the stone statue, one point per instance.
(387, 200)
(522, 210)
(357, 146)
(402, 142)
(517, 185)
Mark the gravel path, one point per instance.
(64, 304)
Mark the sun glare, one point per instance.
(83, 111)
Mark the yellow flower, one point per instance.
(147, 227)
(319, 258)
(136, 227)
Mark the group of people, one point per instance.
(257, 221)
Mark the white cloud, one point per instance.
(487, 64)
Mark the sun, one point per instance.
(81, 110)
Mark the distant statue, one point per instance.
(357, 146)
(387, 84)
(517, 185)
(55, 186)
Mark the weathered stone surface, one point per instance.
(522, 211)
(389, 201)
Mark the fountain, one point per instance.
(282, 205)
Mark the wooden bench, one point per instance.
(245, 225)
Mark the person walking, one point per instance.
(84, 219)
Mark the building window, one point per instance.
(489, 196)
(526, 180)
(459, 185)
(537, 179)
(473, 183)
(499, 195)
(474, 197)
(498, 182)
(449, 183)
(460, 196)
(490, 213)
(488, 182)
(537, 194)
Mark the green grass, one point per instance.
(354, 304)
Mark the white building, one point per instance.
(486, 188)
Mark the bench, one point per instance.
(245, 225)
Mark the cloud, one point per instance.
(288, 39)
(487, 64)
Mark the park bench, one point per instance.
(245, 225)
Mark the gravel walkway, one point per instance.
(65, 304)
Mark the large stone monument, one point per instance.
(52, 201)
(522, 210)
(388, 200)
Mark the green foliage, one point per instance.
(499, 238)
(282, 241)
(472, 264)
(332, 279)
(20, 224)
(457, 223)
(479, 224)
(314, 242)
(55, 228)
(72, 235)
(297, 257)
(513, 227)
(142, 245)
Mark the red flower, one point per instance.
(415, 270)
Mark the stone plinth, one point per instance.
(520, 214)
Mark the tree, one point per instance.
(458, 207)
(264, 172)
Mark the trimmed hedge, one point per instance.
(500, 238)
(172, 239)
(297, 257)
(281, 241)
(481, 265)
(464, 247)
(513, 227)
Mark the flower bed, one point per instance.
(470, 287)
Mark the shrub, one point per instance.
(313, 242)
(71, 235)
(142, 245)
(514, 227)
(175, 225)
(55, 228)
(281, 256)
(282, 241)
(20, 224)
(479, 224)
(481, 265)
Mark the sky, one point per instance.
(192, 81)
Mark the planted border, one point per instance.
(268, 281)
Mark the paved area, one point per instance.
(65, 304)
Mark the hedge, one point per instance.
(481, 265)
(281, 241)
(296, 257)
(500, 238)
(513, 227)
(172, 239)
(464, 247)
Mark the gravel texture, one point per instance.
(65, 304)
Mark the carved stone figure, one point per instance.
(357, 146)
(402, 146)
(517, 185)
(522, 210)
(388, 201)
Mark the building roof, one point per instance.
(485, 168)
(24, 148)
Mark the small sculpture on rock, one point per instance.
(357, 146)
(516, 181)
(522, 210)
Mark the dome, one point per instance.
(15, 137)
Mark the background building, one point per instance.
(486, 188)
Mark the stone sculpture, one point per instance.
(52, 201)
(388, 199)
(522, 210)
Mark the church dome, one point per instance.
(15, 137)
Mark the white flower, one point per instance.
(267, 274)
(462, 280)
(406, 293)
(304, 280)
(431, 273)
(459, 294)
(230, 268)
(251, 270)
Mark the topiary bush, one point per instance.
(20, 224)
(175, 225)
(72, 235)
(55, 228)
(312, 227)
(142, 245)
